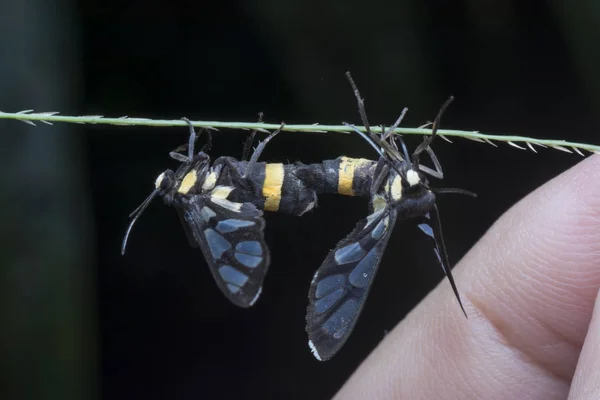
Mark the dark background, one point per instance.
(80, 321)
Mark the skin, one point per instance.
(529, 287)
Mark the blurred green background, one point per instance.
(78, 321)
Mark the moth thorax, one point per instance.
(188, 182)
(412, 177)
(209, 181)
(395, 189)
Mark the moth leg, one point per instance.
(439, 174)
(250, 140)
(192, 139)
(361, 104)
(178, 156)
(259, 149)
(392, 128)
(231, 165)
(382, 171)
(208, 145)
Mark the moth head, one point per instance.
(414, 182)
(165, 182)
(409, 184)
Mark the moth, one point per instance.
(216, 205)
(398, 189)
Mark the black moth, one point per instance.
(229, 233)
(399, 190)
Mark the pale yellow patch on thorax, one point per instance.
(188, 182)
(396, 188)
(272, 186)
(209, 182)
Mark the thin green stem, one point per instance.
(29, 117)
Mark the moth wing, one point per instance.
(231, 237)
(186, 228)
(340, 286)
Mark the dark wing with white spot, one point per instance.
(341, 285)
(232, 241)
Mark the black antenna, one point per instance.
(135, 215)
(368, 139)
(429, 139)
(404, 149)
(444, 257)
(453, 191)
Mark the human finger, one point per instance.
(586, 382)
(529, 285)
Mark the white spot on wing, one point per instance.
(230, 205)
(256, 297)
(210, 181)
(221, 192)
(207, 213)
(314, 350)
(314, 279)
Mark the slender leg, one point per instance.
(179, 157)
(259, 149)
(404, 149)
(208, 145)
(383, 171)
(250, 140)
(392, 128)
(436, 123)
(229, 164)
(361, 104)
(436, 162)
(192, 139)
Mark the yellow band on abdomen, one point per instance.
(346, 174)
(272, 186)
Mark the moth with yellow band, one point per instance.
(220, 205)
(213, 202)
(398, 189)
